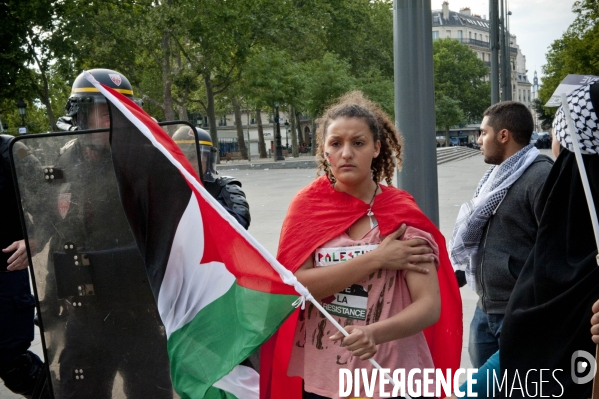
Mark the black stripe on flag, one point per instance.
(144, 175)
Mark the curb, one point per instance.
(291, 164)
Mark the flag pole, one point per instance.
(345, 333)
(286, 276)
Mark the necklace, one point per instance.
(370, 214)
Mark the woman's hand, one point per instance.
(595, 322)
(360, 341)
(395, 254)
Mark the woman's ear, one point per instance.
(377, 148)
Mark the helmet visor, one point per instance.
(92, 113)
(208, 157)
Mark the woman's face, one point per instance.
(350, 148)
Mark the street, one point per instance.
(269, 192)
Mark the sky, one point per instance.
(536, 24)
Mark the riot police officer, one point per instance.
(226, 189)
(19, 367)
(103, 313)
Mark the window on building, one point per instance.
(448, 33)
(459, 35)
(435, 34)
(487, 38)
(469, 35)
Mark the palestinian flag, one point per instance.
(219, 293)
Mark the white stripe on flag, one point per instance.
(242, 381)
(189, 286)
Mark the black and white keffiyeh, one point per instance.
(475, 213)
(585, 120)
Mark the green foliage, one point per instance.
(326, 79)
(272, 78)
(544, 114)
(185, 56)
(459, 75)
(448, 113)
(575, 52)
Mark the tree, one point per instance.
(544, 114)
(459, 75)
(575, 52)
(447, 113)
(326, 79)
(29, 50)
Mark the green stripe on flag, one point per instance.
(215, 393)
(221, 335)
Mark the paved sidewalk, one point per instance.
(270, 190)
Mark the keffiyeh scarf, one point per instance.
(584, 116)
(475, 214)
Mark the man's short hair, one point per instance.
(513, 116)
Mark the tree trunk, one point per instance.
(294, 147)
(239, 127)
(44, 92)
(314, 143)
(261, 144)
(210, 114)
(298, 126)
(183, 116)
(446, 136)
(182, 108)
(169, 111)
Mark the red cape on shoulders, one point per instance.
(318, 214)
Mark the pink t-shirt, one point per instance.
(381, 295)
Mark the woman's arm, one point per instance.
(390, 254)
(421, 313)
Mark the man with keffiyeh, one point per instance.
(495, 231)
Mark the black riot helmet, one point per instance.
(87, 106)
(184, 138)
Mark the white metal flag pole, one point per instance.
(582, 170)
(340, 328)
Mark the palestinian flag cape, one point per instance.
(318, 214)
(220, 295)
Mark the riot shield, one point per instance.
(100, 326)
(186, 137)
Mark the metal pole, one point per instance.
(415, 102)
(502, 49)
(508, 53)
(278, 149)
(494, 45)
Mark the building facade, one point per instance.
(474, 30)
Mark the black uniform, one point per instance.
(98, 299)
(19, 368)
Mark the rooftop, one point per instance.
(459, 19)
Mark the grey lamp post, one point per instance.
(21, 106)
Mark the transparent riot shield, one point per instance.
(101, 330)
(186, 137)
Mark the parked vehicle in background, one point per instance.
(543, 140)
(534, 137)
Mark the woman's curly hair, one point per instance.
(355, 105)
